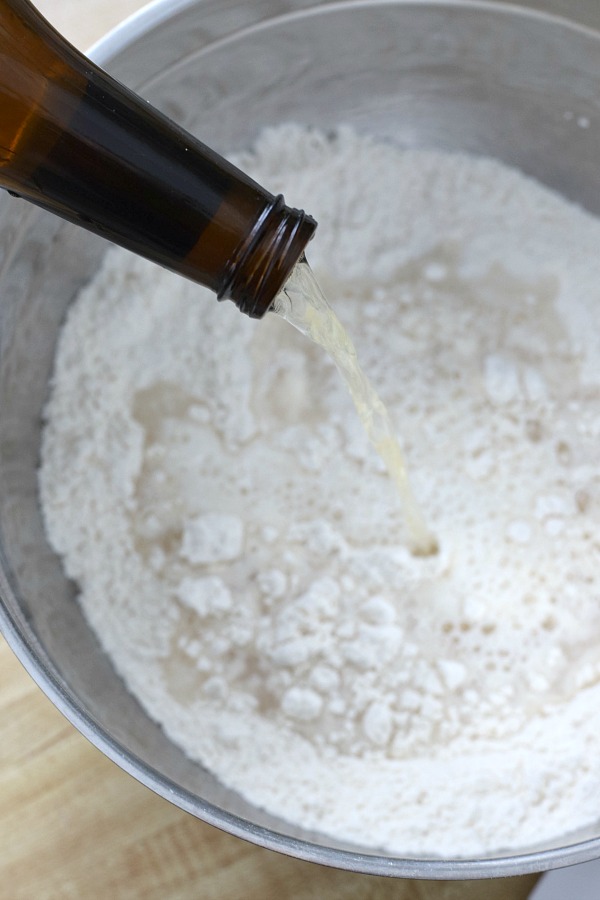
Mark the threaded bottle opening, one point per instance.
(259, 269)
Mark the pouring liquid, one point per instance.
(303, 304)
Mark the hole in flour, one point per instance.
(534, 431)
(582, 500)
(563, 453)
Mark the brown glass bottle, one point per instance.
(78, 143)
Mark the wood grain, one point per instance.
(73, 826)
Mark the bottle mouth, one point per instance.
(258, 270)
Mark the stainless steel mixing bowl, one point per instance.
(519, 84)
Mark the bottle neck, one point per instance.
(89, 150)
(256, 274)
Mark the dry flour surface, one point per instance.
(240, 550)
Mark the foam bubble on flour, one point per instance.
(241, 553)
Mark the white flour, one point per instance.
(240, 551)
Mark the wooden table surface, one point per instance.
(73, 826)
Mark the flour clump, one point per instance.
(241, 553)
